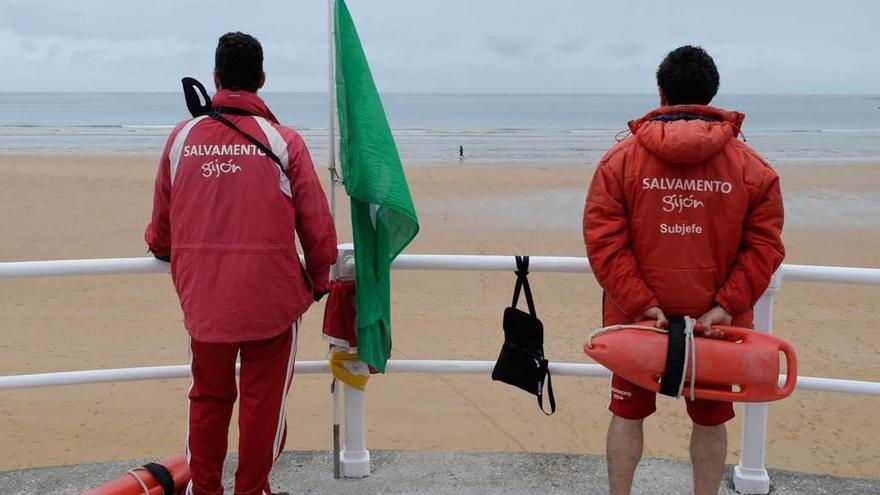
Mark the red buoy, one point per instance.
(139, 481)
(742, 367)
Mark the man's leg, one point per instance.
(211, 397)
(630, 405)
(708, 443)
(266, 374)
(623, 450)
(708, 452)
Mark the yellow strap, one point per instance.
(346, 367)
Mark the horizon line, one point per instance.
(512, 93)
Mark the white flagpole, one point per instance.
(331, 96)
(331, 131)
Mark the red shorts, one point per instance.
(630, 401)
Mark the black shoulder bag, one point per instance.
(521, 362)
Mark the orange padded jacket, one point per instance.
(684, 216)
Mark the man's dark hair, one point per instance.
(688, 76)
(238, 62)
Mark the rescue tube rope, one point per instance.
(133, 474)
(690, 347)
(690, 352)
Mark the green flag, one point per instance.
(383, 218)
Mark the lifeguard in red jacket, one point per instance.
(226, 213)
(682, 218)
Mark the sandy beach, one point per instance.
(63, 207)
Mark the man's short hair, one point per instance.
(688, 76)
(238, 62)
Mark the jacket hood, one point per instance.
(686, 134)
(243, 100)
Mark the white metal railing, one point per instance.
(61, 378)
(425, 262)
(750, 474)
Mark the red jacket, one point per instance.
(683, 216)
(226, 213)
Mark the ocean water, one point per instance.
(549, 129)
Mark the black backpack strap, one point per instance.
(670, 383)
(216, 115)
(163, 476)
(550, 396)
(522, 283)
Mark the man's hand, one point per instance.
(655, 313)
(716, 315)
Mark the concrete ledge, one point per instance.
(436, 472)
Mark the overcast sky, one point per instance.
(803, 47)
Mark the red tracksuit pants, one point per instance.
(266, 374)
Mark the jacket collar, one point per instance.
(704, 112)
(686, 134)
(243, 100)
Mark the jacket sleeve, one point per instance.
(606, 234)
(314, 224)
(761, 250)
(158, 232)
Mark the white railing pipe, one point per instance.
(834, 385)
(70, 268)
(496, 263)
(428, 262)
(831, 274)
(123, 375)
(485, 367)
(85, 267)
(805, 383)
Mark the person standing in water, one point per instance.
(225, 212)
(681, 219)
(460, 152)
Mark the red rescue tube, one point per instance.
(135, 481)
(746, 359)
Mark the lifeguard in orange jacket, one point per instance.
(681, 218)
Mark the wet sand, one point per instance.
(61, 207)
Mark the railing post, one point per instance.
(354, 458)
(750, 475)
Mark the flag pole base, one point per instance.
(337, 455)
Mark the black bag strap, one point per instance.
(216, 114)
(550, 396)
(670, 383)
(163, 476)
(194, 92)
(522, 283)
